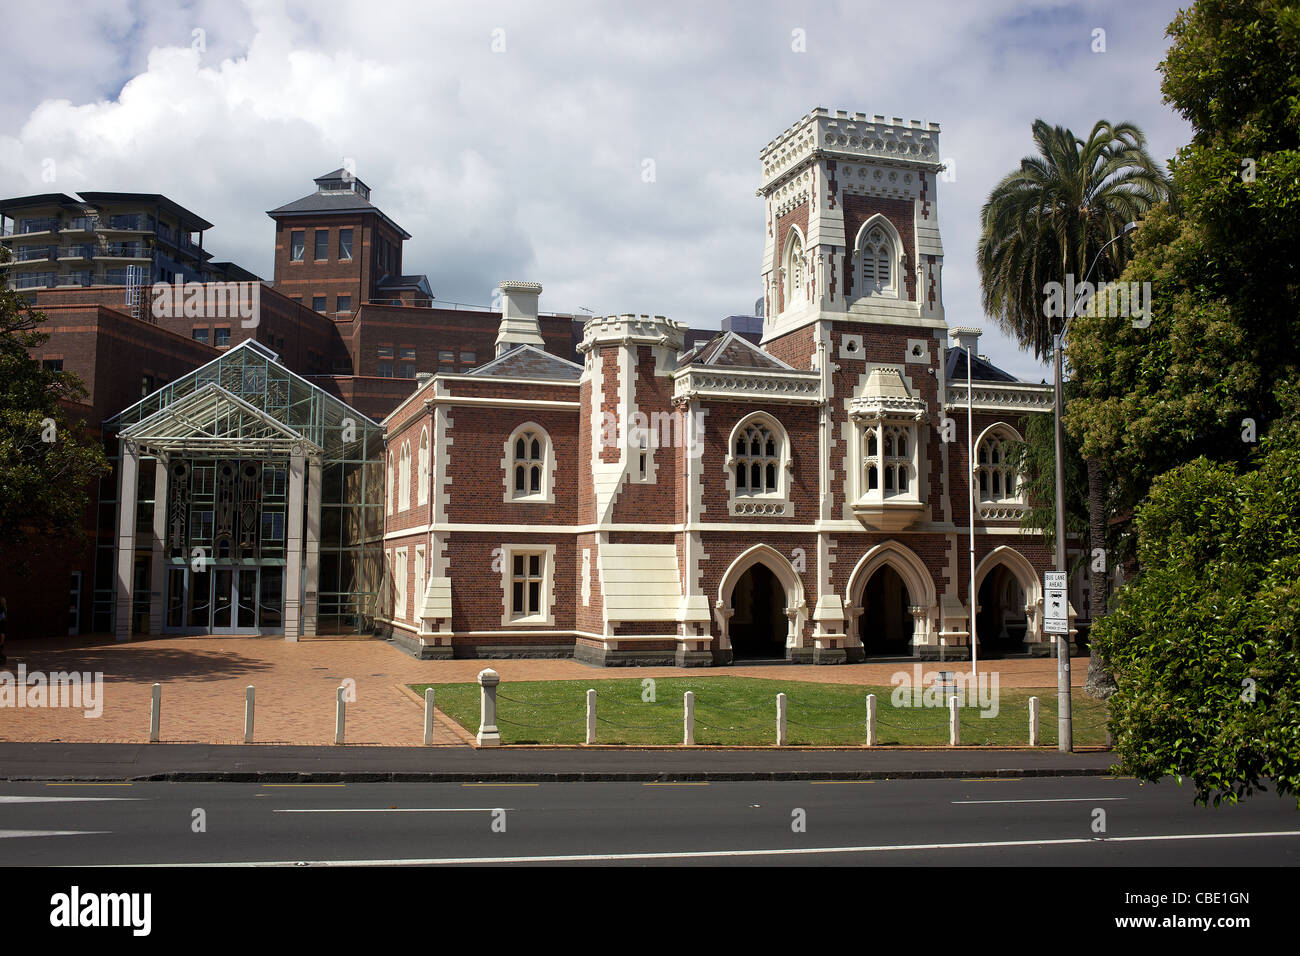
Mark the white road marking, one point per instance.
(63, 799)
(7, 834)
(1045, 800)
(713, 854)
(399, 810)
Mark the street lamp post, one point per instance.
(1064, 722)
(967, 338)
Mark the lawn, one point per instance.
(742, 711)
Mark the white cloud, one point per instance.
(527, 163)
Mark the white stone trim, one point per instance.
(1030, 582)
(796, 605)
(1001, 397)
(769, 503)
(896, 287)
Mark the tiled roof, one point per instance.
(528, 361)
(729, 350)
(982, 370)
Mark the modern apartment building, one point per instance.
(59, 241)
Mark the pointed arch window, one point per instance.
(404, 478)
(422, 490)
(876, 262)
(757, 460)
(529, 463)
(795, 272)
(758, 467)
(996, 477)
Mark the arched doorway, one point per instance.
(758, 623)
(1000, 620)
(885, 626)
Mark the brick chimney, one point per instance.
(519, 325)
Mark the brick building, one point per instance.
(804, 498)
(621, 489)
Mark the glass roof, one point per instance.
(252, 374)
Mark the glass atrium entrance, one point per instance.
(245, 500)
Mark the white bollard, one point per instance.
(1033, 721)
(340, 715)
(780, 720)
(155, 713)
(488, 735)
(954, 728)
(591, 715)
(248, 714)
(871, 720)
(428, 716)
(688, 719)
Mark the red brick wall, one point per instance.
(899, 212)
(795, 217)
(800, 424)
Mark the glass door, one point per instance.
(246, 599)
(223, 598)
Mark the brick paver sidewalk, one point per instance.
(203, 681)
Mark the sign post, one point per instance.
(1056, 620)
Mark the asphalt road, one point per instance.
(1008, 821)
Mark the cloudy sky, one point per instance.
(510, 139)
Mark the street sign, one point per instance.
(1056, 605)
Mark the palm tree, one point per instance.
(1048, 220)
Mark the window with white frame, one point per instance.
(996, 477)
(876, 262)
(404, 478)
(795, 272)
(420, 583)
(388, 495)
(399, 584)
(889, 459)
(422, 492)
(758, 466)
(528, 464)
(527, 584)
(756, 454)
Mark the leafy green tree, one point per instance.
(1058, 216)
(1205, 643)
(47, 462)
(1223, 266)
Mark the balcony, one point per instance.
(80, 224)
(34, 253)
(74, 279)
(28, 226)
(34, 280)
(86, 251)
(124, 250)
(132, 222)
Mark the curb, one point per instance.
(574, 776)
